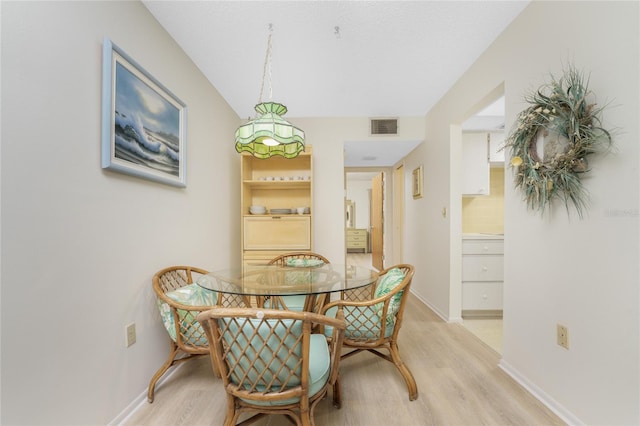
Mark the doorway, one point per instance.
(365, 212)
(482, 221)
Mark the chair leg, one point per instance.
(337, 394)
(231, 417)
(160, 372)
(404, 370)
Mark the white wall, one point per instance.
(358, 190)
(79, 244)
(580, 273)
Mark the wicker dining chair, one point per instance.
(180, 301)
(297, 259)
(271, 363)
(373, 323)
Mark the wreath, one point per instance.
(551, 141)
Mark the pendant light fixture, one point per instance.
(269, 134)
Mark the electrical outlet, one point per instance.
(131, 334)
(563, 336)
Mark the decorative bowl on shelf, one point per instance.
(257, 209)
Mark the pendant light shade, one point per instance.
(269, 134)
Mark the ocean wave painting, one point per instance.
(143, 123)
(146, 125)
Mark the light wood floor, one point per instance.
(458, 380)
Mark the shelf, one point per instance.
(277, 215)
(266, 235)
(278, 184)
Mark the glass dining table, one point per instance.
(261, 282)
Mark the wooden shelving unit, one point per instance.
(276, 183)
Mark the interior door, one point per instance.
(376, 225)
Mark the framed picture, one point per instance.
(143, 123)
(417, 182)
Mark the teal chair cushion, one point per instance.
(192, 295)
(305, 263)
(239, 344)
(294, 303)
(387, 284)
(302, 277)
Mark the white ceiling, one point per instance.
(336, 58)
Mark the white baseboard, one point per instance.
(141, 399)
(444, 317)
(541, 395)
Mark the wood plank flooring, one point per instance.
(458, 379)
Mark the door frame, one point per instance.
(388, 235)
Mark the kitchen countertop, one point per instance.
(479, 236)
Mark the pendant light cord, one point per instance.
(267, 67)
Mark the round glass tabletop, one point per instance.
(272, 280)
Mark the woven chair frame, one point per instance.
(367, 324)
(281, 260)
(263, 356)
(191, 340)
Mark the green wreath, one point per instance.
(570, 129)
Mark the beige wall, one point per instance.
(80, 244)
(580, 273)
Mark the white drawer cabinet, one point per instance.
(477, 246)
(482, 277)
(481, 296)
(482, 268)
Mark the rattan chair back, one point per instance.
(373, 324)
(280, 302)
(187, 337)
(264, 356)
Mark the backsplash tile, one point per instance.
(485, 214)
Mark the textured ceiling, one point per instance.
(335, 58)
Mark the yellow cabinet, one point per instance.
(277, 233)
(357, 239)
(281, 186)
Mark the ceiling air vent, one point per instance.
(384, 126)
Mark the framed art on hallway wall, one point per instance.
(143, 123)
(417, 182)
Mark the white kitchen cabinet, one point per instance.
(496, 153)
(475, 163)
(482, 276)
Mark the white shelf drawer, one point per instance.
(482, 246)
(482, 268)
(482, 295)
